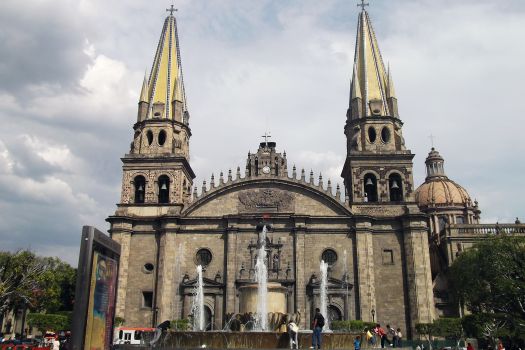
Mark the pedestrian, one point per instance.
(392, 334)
(293, 331)
(399, 336)
(370, 337)
(158, 332)
(357, 343)
(381, 334)
(317, 326)
(469, 346)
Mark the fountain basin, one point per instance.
(246, 340)
(276, 299)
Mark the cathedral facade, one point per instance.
(374, 233)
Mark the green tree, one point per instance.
(48, 322)
(56, 287)
(427, 330)
(489, 279)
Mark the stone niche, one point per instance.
(276, 298)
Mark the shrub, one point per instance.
(351, 326)
(180, 325)
(48, 322)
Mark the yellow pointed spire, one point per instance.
(355, 90)
(370, 73)
(165, 84)
(391, 92)
(145, 89)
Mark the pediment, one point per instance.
(258, 196)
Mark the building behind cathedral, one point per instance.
(387, 241)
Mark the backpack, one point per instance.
(320, 320)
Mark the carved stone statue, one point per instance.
(355, 144)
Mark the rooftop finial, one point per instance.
(171, 10)
(432, 137)
(363, 5)
(266, 136)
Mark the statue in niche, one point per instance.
(276, 262)
(399, 136)
(355, 144)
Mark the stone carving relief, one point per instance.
(265, 199)
(356, 139)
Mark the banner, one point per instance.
(101, 305)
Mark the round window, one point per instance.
(162, 137)
(149, 135)
(203, 257)
(148, 267)
(385, 134)
(372, 134)
(329, 256)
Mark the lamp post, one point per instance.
(373, 315)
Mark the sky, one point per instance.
(71, 73)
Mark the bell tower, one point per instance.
(156, 170)
(378, 167)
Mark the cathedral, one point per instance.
(386, 240)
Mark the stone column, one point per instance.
(167, 283)
(365, 270)
(419, 278)
(217, 312)
(122, 235)
(300, 273)
(230, 269)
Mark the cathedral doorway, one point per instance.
(208, 318)
(334, 314)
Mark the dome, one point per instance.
(440, 192)
(438, 189)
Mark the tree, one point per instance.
(427, 330)
(449, 328)
(19, 279)
(48, 322)
(489, 279)
(57, 287)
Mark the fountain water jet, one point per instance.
(198, 303)
(261, 277)
(324, 295)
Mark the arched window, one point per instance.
(395, 186)
(140, 188)
(370, 188)
(164, 189)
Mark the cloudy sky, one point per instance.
(71, 71)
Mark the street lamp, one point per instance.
(373, 315)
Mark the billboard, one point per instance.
(96, 291)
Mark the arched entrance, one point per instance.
(334, 314)
(208, 319)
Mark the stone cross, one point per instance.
(266, 136)
(171, 10)
(363, 4)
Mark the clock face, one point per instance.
(266, 169)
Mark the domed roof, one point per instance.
(441, 191)
(438, 189)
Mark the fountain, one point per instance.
(198, 304)
(261, 277)
(324, 295)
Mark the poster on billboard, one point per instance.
(96, 291)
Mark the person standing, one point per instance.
(357, 343)
(317, 326)
(399, 336)
(381, 334)
(391, 334)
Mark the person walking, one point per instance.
(293, 331)
(317, 326)
(391, 334)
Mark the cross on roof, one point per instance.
(266, 136)
(432, 137)
(171, 10)
(363, 4)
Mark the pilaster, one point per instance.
(365, 270)
(123, 237)
(300, 273)
(167, 295)
(419, 277)
(230, 268)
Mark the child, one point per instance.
(357, 343)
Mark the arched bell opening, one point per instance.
(140, 189)
(370, 190)
(164, 189)
(395, 187)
